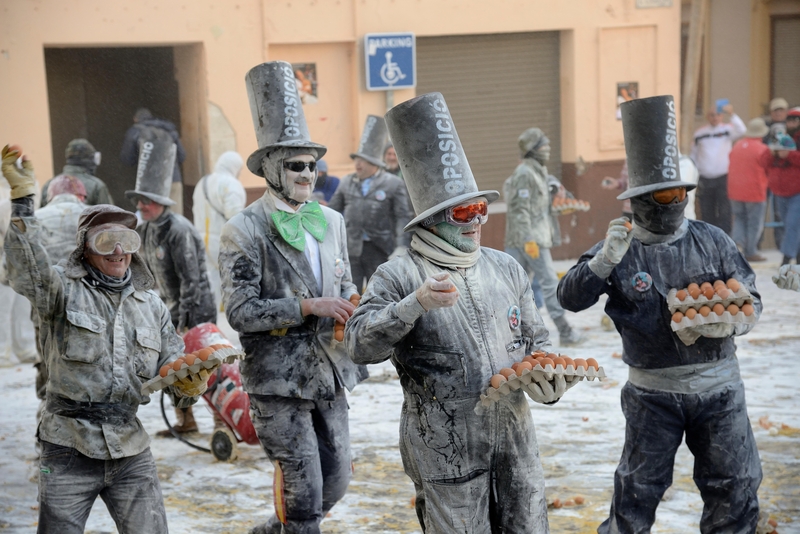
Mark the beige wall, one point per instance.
(236, 35)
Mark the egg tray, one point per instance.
(566, 209)
(515, 382)
(219, 356)
(739, 298)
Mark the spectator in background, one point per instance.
(326, 184)
(793, 124)
(778, 109)
(82, 163)
(129, 154)
(710, 149)
(747, 188)
(374, 204)
(217, 197)
(390, 160)
(783, 176)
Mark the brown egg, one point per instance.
(538, 353)
(733, 309)
(733, 285)
(546, 361)
(677, 317)
(497, 380)
(718, 308)
(190, 359)
(177, 364)
(515, 365)
(338, 335)
(694, 290)
(579, 499)
(507, 372)
(557, 502)
(691, 313)
(568, 361)
(164, 371)
(522, 367)
(205, 353)
(591, 362)
(718, 284)
(704, 311)
(552, 355)
(708, 293)
(560, 361)
(681, 295)
(723, 292)
(580, 362)
(706, 285)
(569, 502)
(530, 359)
(748, 310)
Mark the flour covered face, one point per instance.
(299, 185)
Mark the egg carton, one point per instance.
(515, 382)
(739, 298)
(712, 318)
(570, 207)
(218, 357)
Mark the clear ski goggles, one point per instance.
(464, 214)
(668, 196)
(105, 242)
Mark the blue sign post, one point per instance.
(390, 60)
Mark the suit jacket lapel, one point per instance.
(327, 260)
(295, 258)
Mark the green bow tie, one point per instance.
(291, 225)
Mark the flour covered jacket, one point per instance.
(99, 347)
(263, 281)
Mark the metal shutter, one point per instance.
(786, 59)
(496, 87)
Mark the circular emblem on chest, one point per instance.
(514, 317)
(160, 252)
(380, 194)
(642, 281)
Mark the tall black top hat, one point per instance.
(157, 153)
(277, 112)
(434, 165)
(373, 139)
(650, 126)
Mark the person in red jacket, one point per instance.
(783, 176)
(747, 188)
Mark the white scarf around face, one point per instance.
(440, 252)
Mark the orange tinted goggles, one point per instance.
(668, 196)
(469, 214)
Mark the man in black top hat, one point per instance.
(374, 204)
(684, 383)
(171, 246)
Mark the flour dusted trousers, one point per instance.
(310, 443)
(727, 470)
(501, 490)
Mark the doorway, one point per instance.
(94, 92)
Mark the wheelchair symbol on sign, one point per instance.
(390, 71)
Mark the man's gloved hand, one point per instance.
(337, 307)
(194, 384)
(532, 249)
(437, 292)
(618, 239)
(546, 391)
(788, 277)
(715, 330)
(22, 182)
(398, 251)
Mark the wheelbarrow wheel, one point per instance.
(223, 445)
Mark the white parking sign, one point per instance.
(390, 60)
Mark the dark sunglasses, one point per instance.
(299, 166)
(668, 196)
